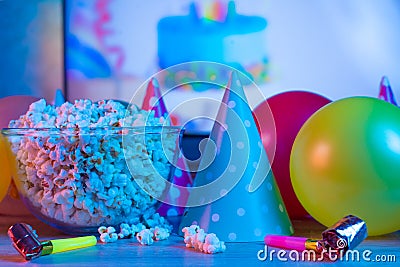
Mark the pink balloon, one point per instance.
(290, 110)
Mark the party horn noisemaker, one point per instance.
(26, 242)
(346, 234)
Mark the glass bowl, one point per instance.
(77, 179)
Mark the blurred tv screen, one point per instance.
(334, 48)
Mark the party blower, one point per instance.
(26, 242)
(344, 235)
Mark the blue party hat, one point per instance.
(235, 194)
(59, 98)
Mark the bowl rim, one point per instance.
(147, 129)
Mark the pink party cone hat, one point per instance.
(385, 91)
(176, 197)
(153, 99)
(235, 194)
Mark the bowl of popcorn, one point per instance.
(84, 164)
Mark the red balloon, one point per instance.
(290, 110)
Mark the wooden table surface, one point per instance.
(172, 252)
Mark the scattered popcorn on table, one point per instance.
(107, 234)
(189, 232)
(129, 231)
(54, 168)
(125, 232)
(135, 228)
(161, 231)
(102, 230)
(195, 237)
(155, 220)
(145, 237)
(212, 244)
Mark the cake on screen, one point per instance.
(225, 37)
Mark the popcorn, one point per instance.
(155, 220)
(189, 232)
(135, 228)
(107, 234)
(212, 244)
(125, 231)
(160, 233)
(195, 237)
(83, 179)
(198, 240)
(145, 237)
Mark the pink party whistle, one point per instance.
(345, 234)
(293, 243)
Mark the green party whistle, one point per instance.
(26, 242)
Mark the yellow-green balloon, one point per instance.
(346, 160)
